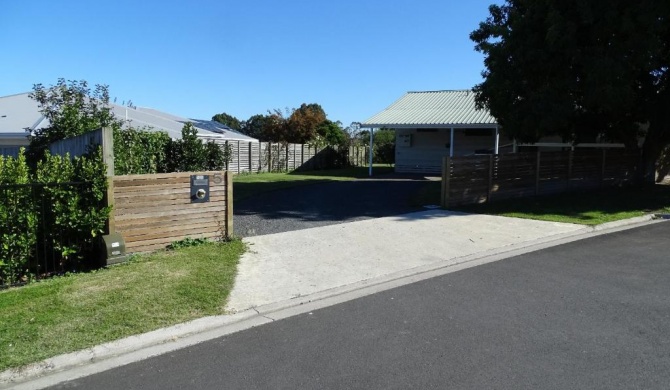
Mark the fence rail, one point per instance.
(479, 179)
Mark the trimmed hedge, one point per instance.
(43, 209)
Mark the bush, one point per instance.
(143, 152)
(46, 208)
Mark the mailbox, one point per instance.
(199, 188)
(113, 249)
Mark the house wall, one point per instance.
(11, 141)
(427, 148)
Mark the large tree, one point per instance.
(296, 126)
(228, 120)
(578, 69)
(254, 126)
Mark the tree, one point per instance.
(295, 126)
(253, 127)
(303, 123)
(578, 69)
(331, 133)
(228, 120)
(71, 108)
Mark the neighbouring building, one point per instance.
(19, 115)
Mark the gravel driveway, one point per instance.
(324, 204)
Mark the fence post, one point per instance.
(108, 159)
(537, 173)
(249, 157)
(490, 185)
(229, 204)
(287, 154)
(446, 172)
(226, 145)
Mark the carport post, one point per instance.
(451, 143)
(372, 130)
(497, 140)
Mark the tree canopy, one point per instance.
(72, 108)
(578, 69)
(296, 126)
(228, 120)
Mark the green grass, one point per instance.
(77, 311)
(251, 184)
(588, 208)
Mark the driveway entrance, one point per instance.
(325, 204)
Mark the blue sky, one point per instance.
(199, 58)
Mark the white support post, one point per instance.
(515, 146)
(451, 143)
(495, 150)
(370, 168)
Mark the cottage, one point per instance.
(432, 124)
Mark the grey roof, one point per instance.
(18, 112)
(432, 109)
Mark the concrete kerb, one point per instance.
(135, 348)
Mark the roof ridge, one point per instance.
(16, 94)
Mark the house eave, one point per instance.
(429, 125)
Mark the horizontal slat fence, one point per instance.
(151, 211)
(479, 179)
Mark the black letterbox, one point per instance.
(199, 188)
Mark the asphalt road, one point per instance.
(592, 314)
(323, 204)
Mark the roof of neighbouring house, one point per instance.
(432, 109)
(19, 112)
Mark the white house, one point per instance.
(432, 124)
(20, 114)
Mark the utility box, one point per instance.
(112, 249)
(199, 188)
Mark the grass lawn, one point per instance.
(73, 312)
(588, 208)
(250, 184)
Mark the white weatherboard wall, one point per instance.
(427, 148)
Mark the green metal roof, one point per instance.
(432, 109)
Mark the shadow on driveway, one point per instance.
(325, 204)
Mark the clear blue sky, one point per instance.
(199, 58)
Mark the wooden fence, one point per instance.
(274, 157)
(151, 211)
(479, 179)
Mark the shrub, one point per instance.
(46, 207)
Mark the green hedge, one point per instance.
(42, 209)
(139, 151)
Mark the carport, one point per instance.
(432, 124)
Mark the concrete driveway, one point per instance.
(290, 265)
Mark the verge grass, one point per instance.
(250, 184)
(587, 208)
(151, 291)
